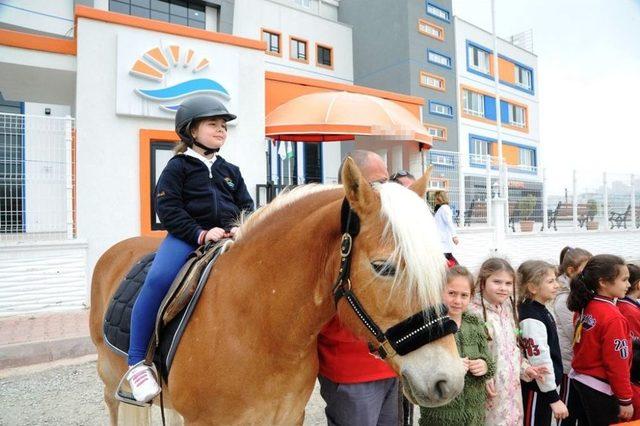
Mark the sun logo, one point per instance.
(156, 65)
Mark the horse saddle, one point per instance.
(175, 309)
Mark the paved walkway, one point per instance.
(37, 338)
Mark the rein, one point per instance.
(408, 335)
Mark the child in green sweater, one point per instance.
(469, 407)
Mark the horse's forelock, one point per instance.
(418, 252)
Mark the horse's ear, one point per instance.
(420, 186)
(359, 193)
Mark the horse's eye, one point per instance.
(383, 268)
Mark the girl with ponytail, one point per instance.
(600, 374)
(495, 303)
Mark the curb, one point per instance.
(23, 354)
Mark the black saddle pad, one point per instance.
(117, 320)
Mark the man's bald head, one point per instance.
(371, 166)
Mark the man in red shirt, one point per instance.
(358, 388)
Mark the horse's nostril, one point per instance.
(442, 389)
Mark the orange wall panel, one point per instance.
(511, 154)
(507, 71)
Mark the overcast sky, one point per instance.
(588, 78)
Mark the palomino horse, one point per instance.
(249, 353)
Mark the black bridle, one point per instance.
(406, 336)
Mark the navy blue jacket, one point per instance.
(188, 201)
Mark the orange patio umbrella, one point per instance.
(335, 116)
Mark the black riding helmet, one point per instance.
(199, 107)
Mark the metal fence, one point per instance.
(537, 200)
(36, 178)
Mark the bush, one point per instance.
(592, 208)
(526, 206)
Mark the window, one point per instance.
(432, 30)
(440, 109)
(190, 13)
(438, 183)
(304, 3)
(523, 77)
(161, 153)
(479, 151)
(437, 11)
(517, 116)
(478, 59)
(437, 132)
(272, 39)
(298, 50)
(443, 160)
(432, 81)
(324, 55)
(527, 159)
(438, 59)
(473, 103)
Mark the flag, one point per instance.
(290, 151)
(282, 150)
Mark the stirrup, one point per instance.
(127, 397)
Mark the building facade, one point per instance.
(409, 47)
(478, 113)
(89, 92)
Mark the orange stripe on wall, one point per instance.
(37, 42)
(164, 27)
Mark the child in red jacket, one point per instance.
(602, 350)
(630, 309)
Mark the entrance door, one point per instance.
(312, 162)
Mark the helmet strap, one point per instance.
(207, 150)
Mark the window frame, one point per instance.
(166, 14)
(442, 138)
(441, 88)
(306, 48)
(445, 12)
(268, 51)
(431, 51)
(433, 104)
(467, 95)
(517, 69)
(474, 50)
(330, 48)
(426, 23)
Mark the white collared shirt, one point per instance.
(207, 162)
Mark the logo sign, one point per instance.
(155, 75)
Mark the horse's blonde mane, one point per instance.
(418, 253)
(285, 198)
(409, 224)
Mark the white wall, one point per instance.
(475, 245)
(108, 188)
(42, 277)
(54, 17)
(250, 16)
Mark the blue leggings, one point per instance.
(171, 256)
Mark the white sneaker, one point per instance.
(143, 382)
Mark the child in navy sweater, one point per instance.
(537, 286)
(199, 196)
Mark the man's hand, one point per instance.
(455, 240)
(560, 410)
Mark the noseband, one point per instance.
(406, 336)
